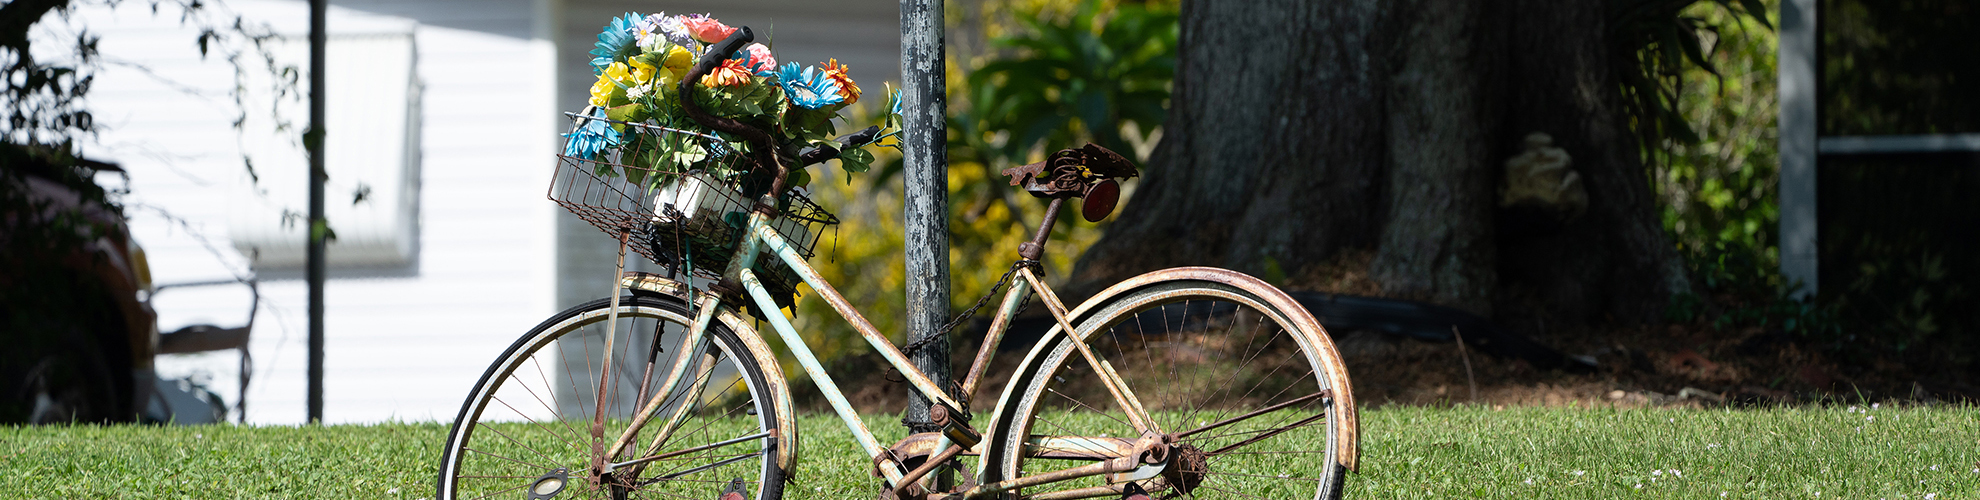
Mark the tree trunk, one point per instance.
(1276, 116)
(1302, 130)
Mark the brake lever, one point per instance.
(819, 153)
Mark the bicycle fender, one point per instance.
(773, 372)
(1349, 449)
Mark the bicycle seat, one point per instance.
(1087, 172)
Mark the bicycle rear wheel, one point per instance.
(1236, 385)
(527, 426)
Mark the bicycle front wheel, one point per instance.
(527, 428)
(1235, 385)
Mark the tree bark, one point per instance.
(1301, 130)
(1437, 242)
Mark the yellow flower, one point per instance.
(837, 73)
(610, 89)
(678, 62)
(641, 71)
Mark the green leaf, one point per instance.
(855, 160)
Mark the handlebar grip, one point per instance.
(718, 52)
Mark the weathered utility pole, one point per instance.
(926, 211)
(318, 229)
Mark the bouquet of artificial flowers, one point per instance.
(640, 62)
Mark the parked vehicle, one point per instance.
(75, 305)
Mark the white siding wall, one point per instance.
(405, 346)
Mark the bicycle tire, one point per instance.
(515, 453)
(1185, 348)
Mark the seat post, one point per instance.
(1035, 249)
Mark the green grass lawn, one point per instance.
(1838, 452)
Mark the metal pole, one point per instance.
(926, 212)
(313, 141)
(1798, 143)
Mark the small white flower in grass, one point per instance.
(1529, 481)
(1580, 472)
(1871, 418)
(1852, 409)
(1675, 472)
(1658, 472)
(1930, 496)
(1935, 467)
(393, 491)
(1639, 486)
(1722, 494)
(1874, 406)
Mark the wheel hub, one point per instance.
(1187, 467)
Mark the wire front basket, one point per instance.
(690, 218)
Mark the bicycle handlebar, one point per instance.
(767, 151)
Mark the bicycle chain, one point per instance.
(943, 332)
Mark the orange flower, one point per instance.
(730, 73)
(837, 73)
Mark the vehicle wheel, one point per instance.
(1232, 380)
(529, 419)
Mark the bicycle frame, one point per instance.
(762, 238)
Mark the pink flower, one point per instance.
(706, 29)
(758, 58)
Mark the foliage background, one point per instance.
(1109, 59)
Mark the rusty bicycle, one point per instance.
(1180, 383)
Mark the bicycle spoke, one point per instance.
(554, 410)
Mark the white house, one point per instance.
(444, 114)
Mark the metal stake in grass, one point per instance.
(1468, 377)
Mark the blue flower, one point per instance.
(808, 89)
(617, 37)
(592, 137)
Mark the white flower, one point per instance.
(1930, 496)
(1871, 418)
(1873, 406)
(1935, 467)
(1529, 481)
(1674, 472)
(1852, 409)
(1658, 472)
(1639, 486)
(1722, 494)
(1579, 472)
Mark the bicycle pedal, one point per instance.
(734, 491)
